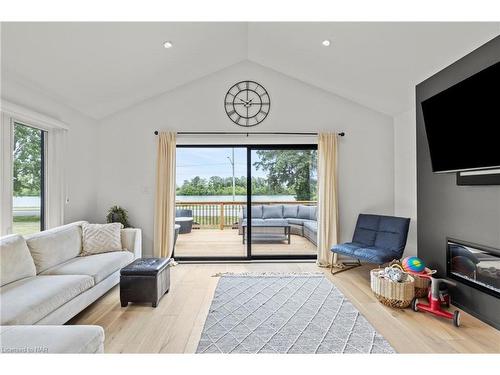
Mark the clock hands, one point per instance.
(247, 103)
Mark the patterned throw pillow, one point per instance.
(101, 238)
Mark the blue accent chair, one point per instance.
(377, 239)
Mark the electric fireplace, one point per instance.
(475, 265)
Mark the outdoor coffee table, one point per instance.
(259, 235)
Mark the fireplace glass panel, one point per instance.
(476, 266)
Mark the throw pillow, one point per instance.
(101, 238)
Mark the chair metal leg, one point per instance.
(344, 266)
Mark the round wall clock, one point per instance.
(247, 103)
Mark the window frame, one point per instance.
(10, 114)
(249, 148)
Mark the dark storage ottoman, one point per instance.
(144, 280)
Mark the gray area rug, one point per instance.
(285, 313)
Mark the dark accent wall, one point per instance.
(469, 213)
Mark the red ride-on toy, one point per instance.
(436, 300)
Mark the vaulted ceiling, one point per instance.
(102, 68)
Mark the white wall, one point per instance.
(82, 148)
(127, 146)
(405, 174)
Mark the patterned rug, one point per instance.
(285, 313)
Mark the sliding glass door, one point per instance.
(284, 220)
(211, 196)
(28, 179)
(216, 184)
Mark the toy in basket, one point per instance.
(413, 265)
(392, 286)
(416, 267)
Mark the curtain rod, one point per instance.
(341, 134)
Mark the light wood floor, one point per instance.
(228, 243)
(175, 325)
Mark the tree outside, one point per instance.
(293, 170)
(27, 179)
(288, 172)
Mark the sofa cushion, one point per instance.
(290, 210)
(98, 266)
(311, 225)
(306, 212)
(29, 300)
(55, 246)
(52, 339)
(296, 221)
(314, 213)
(254, 221)
(256, 212)
(101, 238)
(272, 212)
(374, 255)
(15, 259)
(392, 233)
(366, 229)
(367, 253)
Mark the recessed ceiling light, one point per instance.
(168, 44)
(326, 43)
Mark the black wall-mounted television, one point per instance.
(463, 123)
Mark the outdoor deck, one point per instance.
(228, 243)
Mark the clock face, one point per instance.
(247, 103)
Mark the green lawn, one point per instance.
(26, 224)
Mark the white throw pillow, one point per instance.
(15, 259)
(101, 238)
(55, 246)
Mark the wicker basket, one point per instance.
(390, 293)
(422, 284)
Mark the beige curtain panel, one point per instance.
(328, 217)
(164, 224)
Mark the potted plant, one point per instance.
(117, 214)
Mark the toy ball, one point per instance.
(413, 264)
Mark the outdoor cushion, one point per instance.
(296, 221)
(254, 221)
(15, 259)
(276, 221)
(29, 300)
(55, 246)
(311, 225)
(290, 210)
(272, 212)
(306, 212)
(256, 212)
(314, 213)
(51, 339)
(98, 266)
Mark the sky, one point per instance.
(208, 162)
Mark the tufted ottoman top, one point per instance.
(145, 266)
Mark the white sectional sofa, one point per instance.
(45, 282)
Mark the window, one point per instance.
(32, 170)
(28, 179)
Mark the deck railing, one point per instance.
(222, 214)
